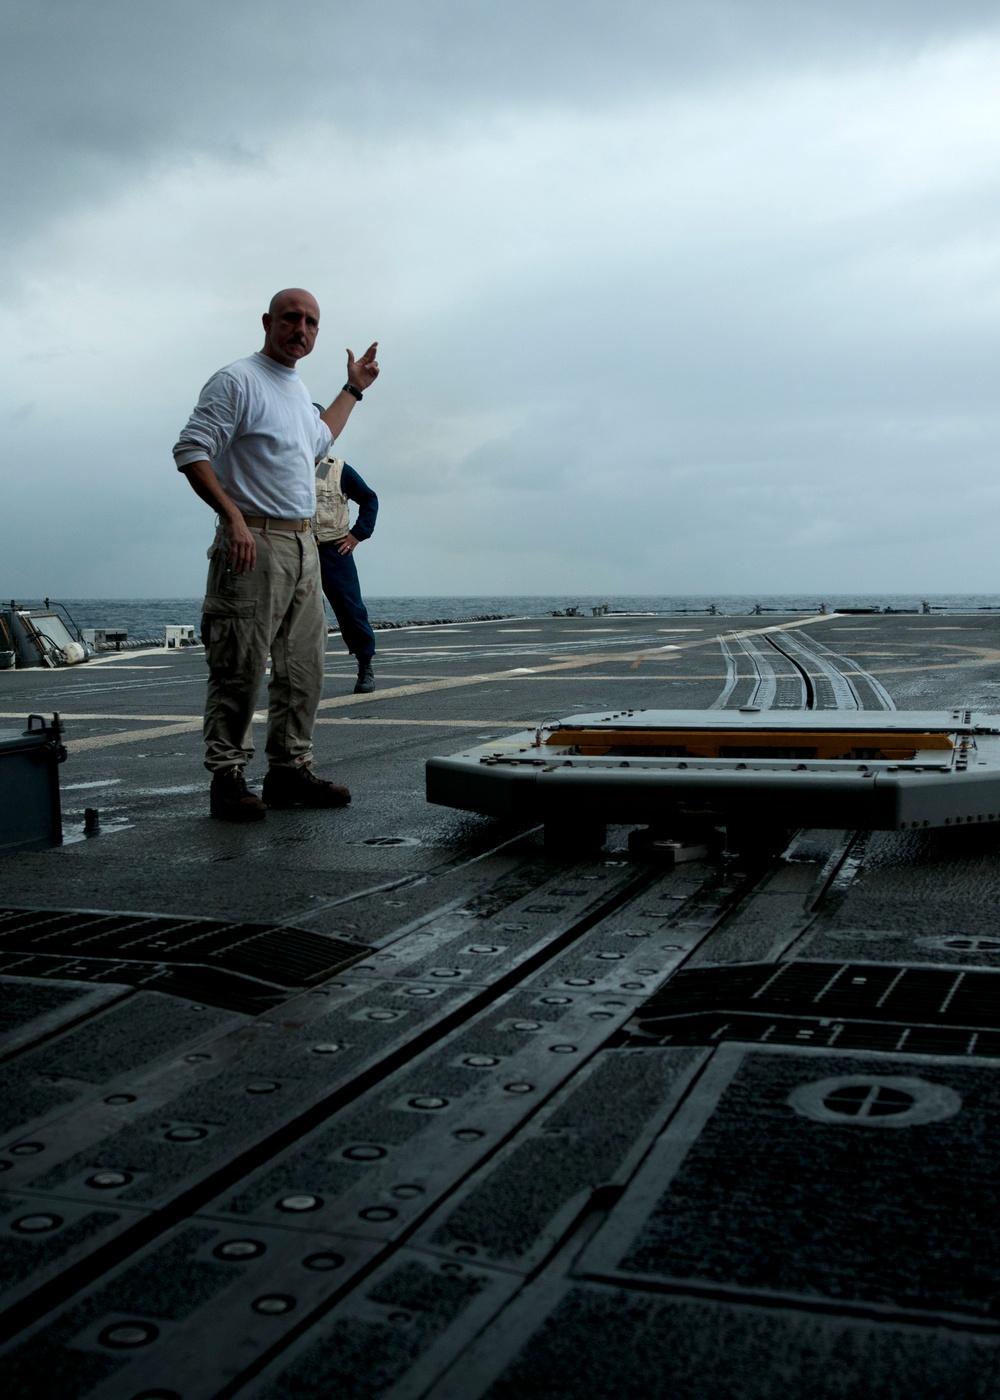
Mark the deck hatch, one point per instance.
(764, 1188)
(235, 966)
(853, 1006)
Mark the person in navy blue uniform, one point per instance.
(337, 485)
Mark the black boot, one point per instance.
(366, 676)
(231, 800)
(300, 787)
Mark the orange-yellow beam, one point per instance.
(713, 743)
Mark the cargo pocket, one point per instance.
(227, 632)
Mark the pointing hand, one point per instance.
(364, 371)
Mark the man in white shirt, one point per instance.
(249, 451)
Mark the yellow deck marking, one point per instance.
(569, 664)
(435, 723)
(165, 726)
(189, 726)
(66, 714)
(129, 736)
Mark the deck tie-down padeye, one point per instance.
(827, 768)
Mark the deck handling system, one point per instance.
(742, 769)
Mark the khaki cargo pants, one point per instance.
(276, 609)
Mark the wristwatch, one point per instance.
(356, 392)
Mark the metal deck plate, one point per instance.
(593, 1340)
(925, 1010)
(788, 1137)
(901, 771)
(236, 966)
(514, 1150)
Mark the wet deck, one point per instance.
(487, 1122)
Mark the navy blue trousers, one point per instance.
(343, 589)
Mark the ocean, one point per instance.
(147, 617)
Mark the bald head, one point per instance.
(296, 295)
(291, 324)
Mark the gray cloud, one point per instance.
(93, 89)
(672, 296)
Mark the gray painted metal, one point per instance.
(839, 1212)
(532, 776)
(29, 778)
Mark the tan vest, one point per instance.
(332, 520)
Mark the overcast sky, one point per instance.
(671, 297)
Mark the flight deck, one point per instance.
(412, 1099)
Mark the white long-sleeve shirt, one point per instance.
(262, 434)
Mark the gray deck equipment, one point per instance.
(29, 785)
(816, 768)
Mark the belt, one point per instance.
(265, 522)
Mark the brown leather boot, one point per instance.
(300, 787)
(231, 800)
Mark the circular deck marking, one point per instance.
(107, 1181)
(378, 1214)
(407, 1191)
(120, 1098)
(239, 1249)
(468, 1134)
(36, 1224)
(519, 1087)
(322, 1263)
(327, 1048)
(427, 1101)
(272, 1304)
(563, 1049)
(191, 1134)
(26, 1149)
(263, 1086)
(298, 1204)
(526, 1026)
(364, 1152)
(875, 1101)
(963, 943)
(128, 1334)
(480, 1061)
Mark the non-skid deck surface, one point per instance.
(389, 1101)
